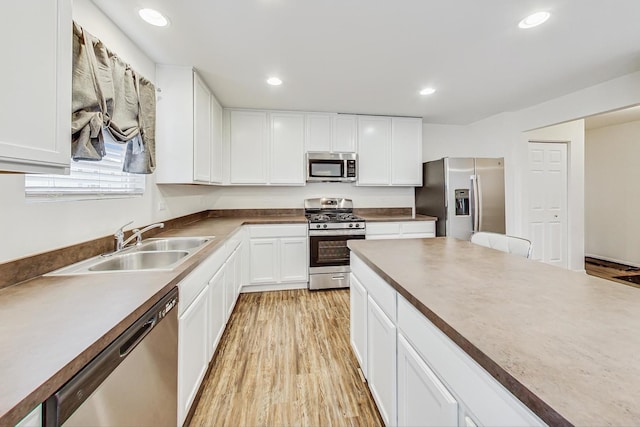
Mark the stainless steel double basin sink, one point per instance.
(150, 255)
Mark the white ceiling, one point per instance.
(373, 56)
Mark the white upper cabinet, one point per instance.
(248, 140)
(202, 135)
(374, 148)
(330, 132)
(266, 147)
(406, 151)
(344, 133)
(36, 79)
(319, 132)
(389, 151)
(188, 127)
(216, 142)
(287, 148)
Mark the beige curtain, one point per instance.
(108, 95)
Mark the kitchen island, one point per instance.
(564, 343)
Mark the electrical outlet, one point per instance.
(162, 206)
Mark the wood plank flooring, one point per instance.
(610, 270)
(285, 360)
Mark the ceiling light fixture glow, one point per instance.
(534, 20)
(153, 17)
(274, 81)
(427, 91)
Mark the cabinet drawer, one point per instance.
(421, 227)
(288, 230)
(383, 228)
(486, 399)
(193, 284)
(381, 292)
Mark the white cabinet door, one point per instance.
(35, 41)
(287, 149)
(344, 133)
(406, 151)
(358, 322)
(217, 310)
(229, 287)
(193, 352)
(422, 398)
(381, 361)
(264, 260)
(374, 150)
(319, 132)
(33, 419)
(293, 259)
(216, 141)
(249, 147)
(238, 271)
(202, 136)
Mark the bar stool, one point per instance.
(502, 242)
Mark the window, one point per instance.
(89, 179)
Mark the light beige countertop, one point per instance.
(51, 326)
(565, 343)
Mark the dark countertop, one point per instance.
(565, 343)
(51, 326)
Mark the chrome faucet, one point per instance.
(137, 234)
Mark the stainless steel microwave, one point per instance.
(331, 167)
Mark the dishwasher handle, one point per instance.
(60, 406)
(138, 336)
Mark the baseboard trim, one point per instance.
(617, 261)
(273, 287)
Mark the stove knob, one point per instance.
(317, 225)
(357, 225)
(324, 225)
(351, 225)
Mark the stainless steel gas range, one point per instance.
(331, 224)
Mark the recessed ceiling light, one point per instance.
(534, 20)
(274, 81)
(427, 91)
(153, 17)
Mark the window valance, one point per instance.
(109, 96)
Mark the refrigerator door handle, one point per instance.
(475, 204)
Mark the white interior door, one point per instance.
(548, 202)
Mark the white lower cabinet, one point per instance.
(422, 398)
(33, 419)
(381, 361)
(416, 374)
(401, 230)
(217, 309)
(358, 322)
(207, 297)
(193, 351)
(278, 257)
(293, 259)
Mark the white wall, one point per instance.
(505, 134)
(612, 205)
(293, 197)
(28, 228)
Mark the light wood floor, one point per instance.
(285, 360)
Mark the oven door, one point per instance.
(329, 251)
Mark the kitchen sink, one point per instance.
(172, 243)
(140, 261)
(151, 255)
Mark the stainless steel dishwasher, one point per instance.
(133, 382)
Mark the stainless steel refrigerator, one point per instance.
(466, 194)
